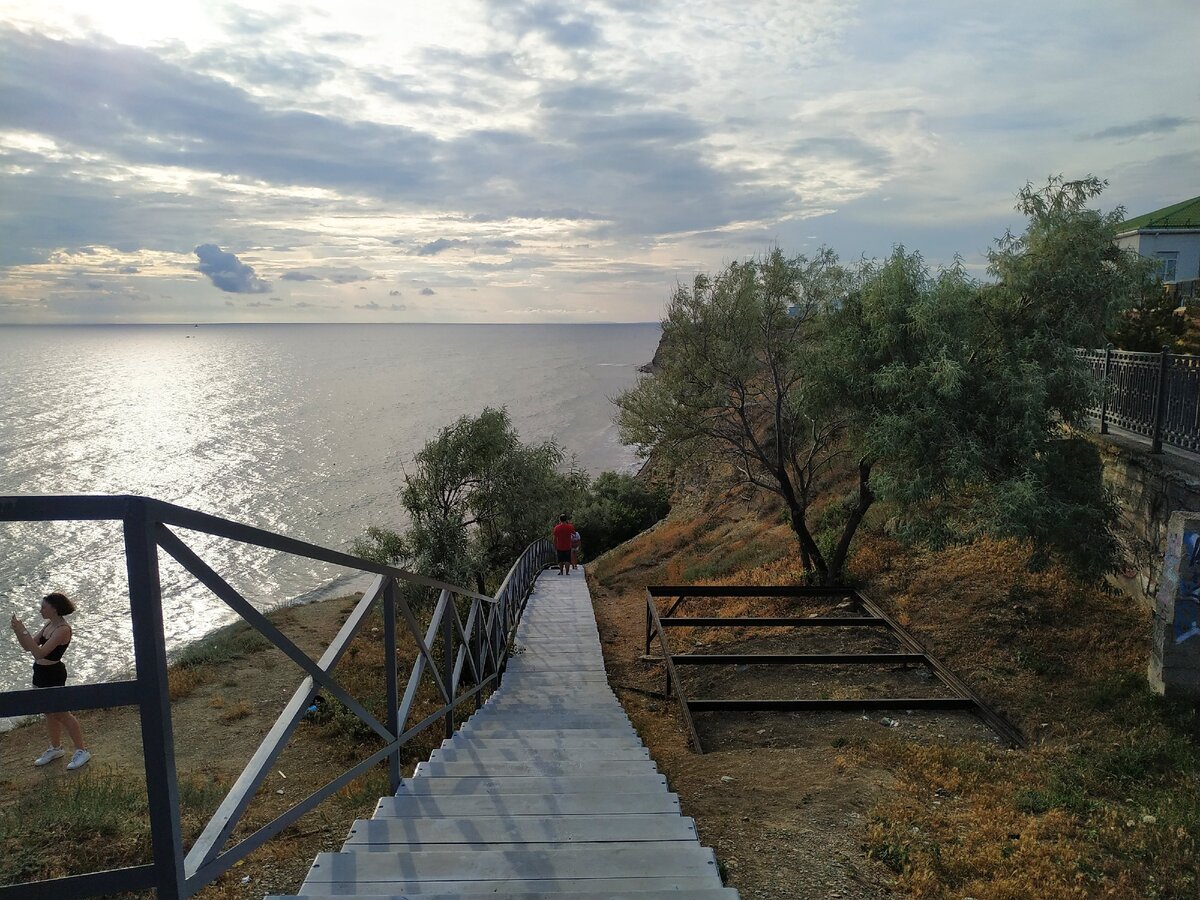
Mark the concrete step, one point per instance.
(508, 806)
(534, 766)
(533, 784)
(546, 754)
(496, 830)
(640, 888)
(431, 866)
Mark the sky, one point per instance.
(512, 161)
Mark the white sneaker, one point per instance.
(79, 759)
(49, 755)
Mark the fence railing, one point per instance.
(472, 657)
(1156, 395)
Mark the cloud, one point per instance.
(128, 270)
(335, 275)
(497, 247)
(227, 272)
(562, 25)
(433, 248)
(371, 305)
(1153, 125)
(427, 292)
(394, 294)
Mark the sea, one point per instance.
(306, 430)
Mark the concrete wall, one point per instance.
(1184, 241)
(1150, 488)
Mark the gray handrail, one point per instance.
(476, 649)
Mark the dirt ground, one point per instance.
(781, 797)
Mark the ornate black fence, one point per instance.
(1156, 395)
(473, 632)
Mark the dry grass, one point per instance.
(182, 682)
(1105, 803)
(101, 813)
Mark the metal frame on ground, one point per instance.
(868, 615)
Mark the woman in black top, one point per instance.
(50, 671)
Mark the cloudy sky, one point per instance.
(510, 161)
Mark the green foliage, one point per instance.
(476, 498)
(958, 390)
(231, 642)
(615, 508)
(1152, 322)
(379, 545)
(733, 380)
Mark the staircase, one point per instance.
(545, 792)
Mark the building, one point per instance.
(1172, 236)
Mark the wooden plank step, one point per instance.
(496, 830)
(533, 784)
(511, 805)
(686, 860)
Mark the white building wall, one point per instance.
(1184, 241)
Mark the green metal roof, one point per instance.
(1181, 215)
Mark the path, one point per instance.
(545, 792)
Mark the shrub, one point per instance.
(616, 508)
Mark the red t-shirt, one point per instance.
(562, 535)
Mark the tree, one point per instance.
(615, 509)
(732, 380)
(958, 392)
(1152, 322)
(476, 498)
(949, 396)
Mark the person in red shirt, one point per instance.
(562, 543)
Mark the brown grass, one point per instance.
(1105, 803)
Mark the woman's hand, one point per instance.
(16, 624)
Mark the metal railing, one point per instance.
(1156, 395)
(477, 647)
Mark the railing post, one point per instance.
(393, 688)
(1108, 348)
(476, 650)
(448, 614)
(150, 659)
(649, 637)
(1160, 400)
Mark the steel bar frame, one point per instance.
(961, 698)
(477, 650)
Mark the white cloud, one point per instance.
(550, 158)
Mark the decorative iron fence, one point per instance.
(1156, 395)
(472, 656)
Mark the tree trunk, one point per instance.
(865, 498)
(810, 553)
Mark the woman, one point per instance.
(49, 671)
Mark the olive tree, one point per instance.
(732, 381)
(477, 496)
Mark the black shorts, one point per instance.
(564, 556)
(49, 676)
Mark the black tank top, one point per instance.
(56, 654)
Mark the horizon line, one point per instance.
(208, 324)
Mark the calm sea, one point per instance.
(302, 429)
